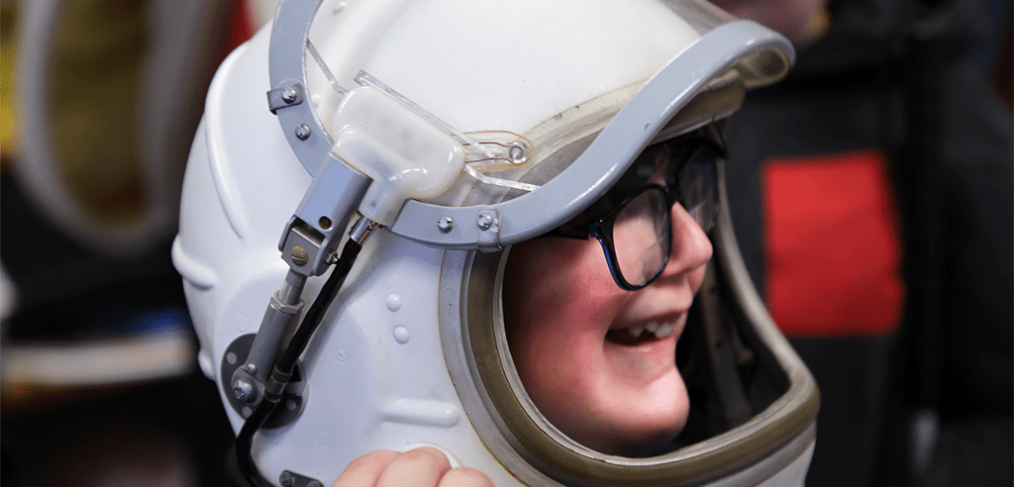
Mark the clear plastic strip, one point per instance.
(366, 79)
(323, 67)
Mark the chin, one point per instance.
(628, 423)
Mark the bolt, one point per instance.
(445, 224)
(286, 479)
(299, 256)
(289, 94)
(303, 131)
(485, 221)
(517, 154)
(244, 390)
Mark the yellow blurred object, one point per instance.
(8, 101)
(110, 93)
(94, 109)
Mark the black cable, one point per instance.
(283, 368)
(287, 361)
(244, 444)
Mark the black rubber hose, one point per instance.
(286, 363)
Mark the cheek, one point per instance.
(556, 282)
(558, 301)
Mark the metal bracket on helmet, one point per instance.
(285, 96)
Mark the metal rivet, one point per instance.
(303, 131)
(286, 479)
(299, 255)
(485, 221)
(517, 154)
(244, 390)
(252, 368)
(445, 224)
(289, 95)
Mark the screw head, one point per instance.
(517, 154)
(244, 390)
(303, 131)
(286, 479)
(299, 255)
(445, 224)
(485, 221)
(289, 94)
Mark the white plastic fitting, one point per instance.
(406, 155)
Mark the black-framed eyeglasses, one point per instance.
(636, 235)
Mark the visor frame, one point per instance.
(758, 54)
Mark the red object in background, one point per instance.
(241, 24)
(832, 245)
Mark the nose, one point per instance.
(691, 247)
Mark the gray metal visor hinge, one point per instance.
(316, 229)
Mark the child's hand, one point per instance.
(422, 467)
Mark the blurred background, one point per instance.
(100, 101)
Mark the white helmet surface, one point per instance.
(413, 144)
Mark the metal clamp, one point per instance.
(243, 391)
(292, 479)
(488, 238)
(285, 96)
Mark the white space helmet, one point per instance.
(451, 130)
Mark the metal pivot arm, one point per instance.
(280, 318)
(283, 369)
(308, 245)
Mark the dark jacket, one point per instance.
(871, 193)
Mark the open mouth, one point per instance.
(637, 335)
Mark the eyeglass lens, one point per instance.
(641, 231)
(697, 192)
(641, 237)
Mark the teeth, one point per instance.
(660, 331)
(665, 330)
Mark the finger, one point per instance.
(365, 470)
(465, 477)
(422, 467)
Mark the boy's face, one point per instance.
(568, 326)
